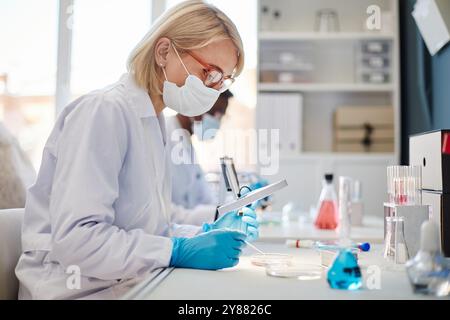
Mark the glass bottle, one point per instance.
(327, 20)
(327, 214)
(265, 18)
(428, 271)
(276, 20)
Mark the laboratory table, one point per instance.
(247, 281)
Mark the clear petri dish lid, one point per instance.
(299, 272)
(267, 259)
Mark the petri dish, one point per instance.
(266, 259)
(299, 272)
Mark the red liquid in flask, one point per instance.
(327, 217)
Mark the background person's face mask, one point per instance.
(192, 99)
(206, 129)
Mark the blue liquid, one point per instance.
(345, 273)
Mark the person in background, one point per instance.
(189, 187)
(16, 171)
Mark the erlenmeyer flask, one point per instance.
(345, 272)
(327, 214)
(389, 245)
(395, 248)
(401, 249)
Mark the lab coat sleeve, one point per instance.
(90, 154)
(184, 230)
(195, 216)
(206, 197)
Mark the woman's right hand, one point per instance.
(213, 250)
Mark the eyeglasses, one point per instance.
(213, 75)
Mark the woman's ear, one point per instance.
(162, 50)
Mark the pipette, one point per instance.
(253, 247)
(263, 259)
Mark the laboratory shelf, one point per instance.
(340, 156)
(318, 36)
(383, 159)
(325, 87)
(309, 75)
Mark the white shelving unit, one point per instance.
(317, 36)
(325, 87)
(334, 83)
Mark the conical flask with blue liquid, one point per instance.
(345, 273)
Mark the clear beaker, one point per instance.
(327, 215)
(395, 249)
(327, 20)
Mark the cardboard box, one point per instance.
(364, 129)
(358, 147)
(357, 117)
(359, 134)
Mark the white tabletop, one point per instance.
(247, 281)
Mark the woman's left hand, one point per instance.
(245, 223)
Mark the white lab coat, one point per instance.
(190, 192)
(101, 202)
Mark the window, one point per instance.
(104, 33)
(28, 71)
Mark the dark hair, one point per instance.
(226, 94)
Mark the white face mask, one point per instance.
(192, 99)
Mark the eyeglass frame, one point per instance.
(208, 68)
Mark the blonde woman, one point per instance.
(99, 214)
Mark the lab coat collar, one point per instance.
(141, 101)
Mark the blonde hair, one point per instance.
(189, 25)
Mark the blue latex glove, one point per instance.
(259, 203)
(212, 250)
(246, 223)
(254, 205)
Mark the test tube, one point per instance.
(415, 185)
(404, 185)
(242, 226)
(389, 179)
(356, 191)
